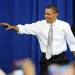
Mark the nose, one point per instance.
(46, 15)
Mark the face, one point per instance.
(50, 15)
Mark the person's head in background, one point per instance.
(70, 70)
(27, 68)
(51, 13)
(66, 69)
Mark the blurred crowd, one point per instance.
(28, 68)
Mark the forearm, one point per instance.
(73, 53)
(8, 26)
(14, 28)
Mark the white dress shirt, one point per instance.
(61, 34)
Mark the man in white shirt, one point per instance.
(62, 34)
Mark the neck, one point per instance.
(53, 21)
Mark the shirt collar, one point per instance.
(53, 23)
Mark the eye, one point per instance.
(47, 14)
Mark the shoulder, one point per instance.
(41, 21)
(63, 23)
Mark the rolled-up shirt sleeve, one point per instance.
(70, 38)
(28, 28)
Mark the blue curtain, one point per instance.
(14, 46)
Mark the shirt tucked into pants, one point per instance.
(56, 59)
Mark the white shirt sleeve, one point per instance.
(70, 38)
(28, 28)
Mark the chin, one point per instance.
(48, 21)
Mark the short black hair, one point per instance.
(51, 6)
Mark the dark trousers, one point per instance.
(57, 59)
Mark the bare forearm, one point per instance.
(73, 53)
(8, 26)
(15, 28)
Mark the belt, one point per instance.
(43, 54)
(60, 58)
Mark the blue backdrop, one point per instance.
(14, 46)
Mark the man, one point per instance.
(52, 35)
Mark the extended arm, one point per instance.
(8, 26)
